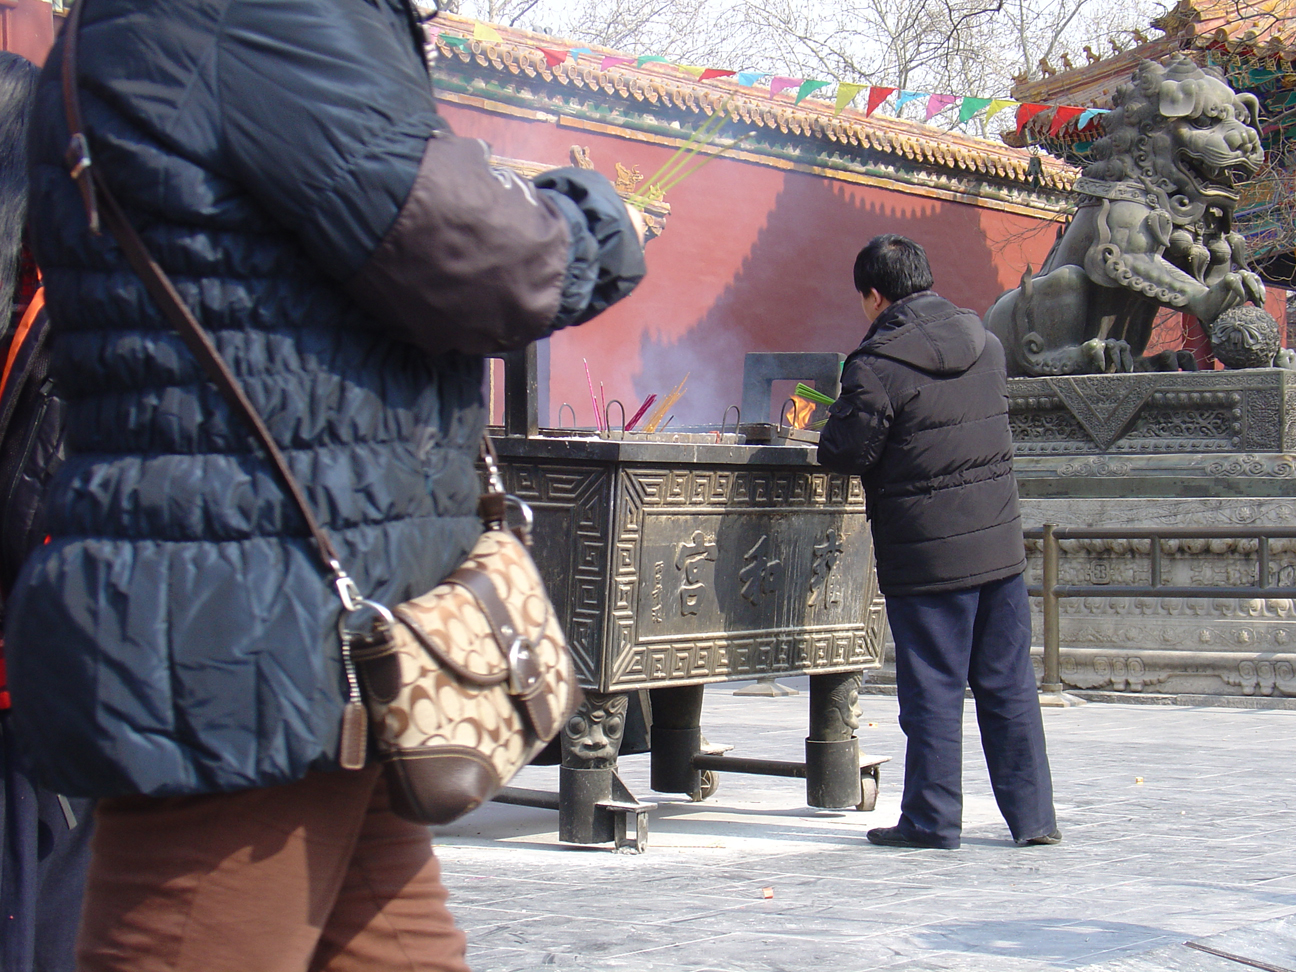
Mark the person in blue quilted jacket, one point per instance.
(173, 646)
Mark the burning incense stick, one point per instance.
(667, 403)
(634, 419)
(607, 422)
(598, 419)
(700, 137)
(676, 180)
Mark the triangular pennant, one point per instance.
(485, 32)
(845, 95)
(552, 57)
(710, 73)
(650, 59)
(450, 40)
(970, 107)
(876, 97)
(1089, 115)
(809, 87)
(1026, 112)
(611, 62)
(998, 105)
(749, 78)
(938, 103)
(780, 84)
(690, 69)
(576, 52)
(904, 97)
(1063, 115)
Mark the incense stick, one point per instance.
(647, 402)
(598, 419)
(655, 188)
(667, 403)
(668, 186)
(711, 125)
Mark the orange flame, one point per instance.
(799, 415)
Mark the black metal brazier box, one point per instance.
(684, 558)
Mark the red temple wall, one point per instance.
(753, 258)
(27, 28)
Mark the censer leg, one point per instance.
(676, 739)
(593, 803)
(832, 751)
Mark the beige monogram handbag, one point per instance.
(466, 683)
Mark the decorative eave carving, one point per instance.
(515, 72)
(1243, 28)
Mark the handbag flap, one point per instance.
(490, 622)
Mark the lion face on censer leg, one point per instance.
(1154, 228)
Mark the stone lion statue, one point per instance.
(1154, 228)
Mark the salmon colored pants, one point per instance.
(315, 876)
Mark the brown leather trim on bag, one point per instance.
(459, 778)
(527, 680)
(475, 261)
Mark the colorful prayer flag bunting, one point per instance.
(970, 107)
(809, 87)
(650, 59)
(1089, 115)
(749, 78)
(610, 62)
(485, 32)
(845, 95)
(1063, 115)
(904, 97)
(938, 103)
(710, 73)
(450, 40)
(998, 105)
(876, 97)
(780, 84)
(1026, 112)
(576, 52)
(552, 57)
(690, 69)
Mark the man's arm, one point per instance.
(328, 118)
(858, 422)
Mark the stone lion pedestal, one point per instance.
(1164, 449)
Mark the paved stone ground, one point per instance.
(1179, 825)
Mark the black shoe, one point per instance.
(1053, 838)
(892, 837)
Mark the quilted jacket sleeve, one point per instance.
(328, 117)
(858, 422)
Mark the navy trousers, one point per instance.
(943, 643)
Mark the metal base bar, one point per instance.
(518, 797)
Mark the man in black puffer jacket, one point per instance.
(923, 420)
(175, 639)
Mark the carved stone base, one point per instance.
(1172, 646)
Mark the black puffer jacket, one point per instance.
(287, 167)
(923, 418)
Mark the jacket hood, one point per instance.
(927, 331)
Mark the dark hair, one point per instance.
(894, 266)
(17, 85)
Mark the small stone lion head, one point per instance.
(1183, 129)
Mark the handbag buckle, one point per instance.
(524, 667)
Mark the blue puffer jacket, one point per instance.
(286, 166)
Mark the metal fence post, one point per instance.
(1052, 683)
